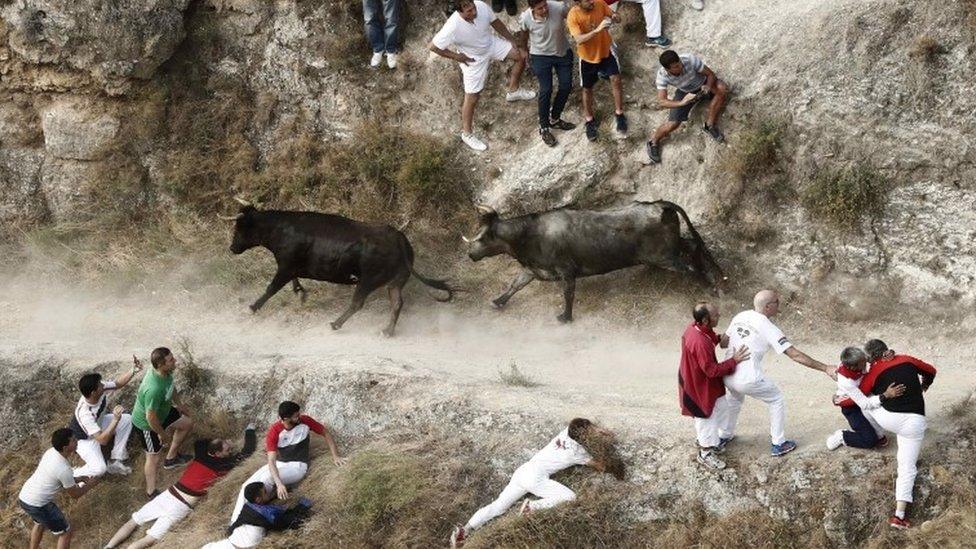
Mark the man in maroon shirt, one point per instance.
(701, 391)
(213, 458)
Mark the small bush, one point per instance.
(376, 486)
(757, 151)
(843, 197)
(925, 49)
(515, 378)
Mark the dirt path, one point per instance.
(622, 374)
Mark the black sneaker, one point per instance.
(153, 494)
(621, 124)
(714, 132)
(591, 132)
(657, 42)
(179, 461)
(654, 152)
(562, 125)
(497, 5)
(547, 137)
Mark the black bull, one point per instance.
(566, 244)
(334, 249)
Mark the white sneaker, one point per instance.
(391, 60)
(710, 460)
(116, 467)
(835, 440)
(472, 141)
(375, 61)
(520, 95)
(697, 4)
(457, 537)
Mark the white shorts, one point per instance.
(165, 509)
(241, 538)
(476, 74)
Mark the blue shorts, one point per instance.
(48, 516)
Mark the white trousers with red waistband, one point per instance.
(910, 430)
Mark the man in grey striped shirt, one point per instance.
(694, 83)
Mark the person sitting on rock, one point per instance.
(288, 443)
(695, 83)
(856, 407)
(469, 30)
(212, 459)
(94, 428)
(564, 451)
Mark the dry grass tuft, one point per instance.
(925, 49)
(843, 197)
(516, 378)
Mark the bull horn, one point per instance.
(228, 217)
(241, 201)
(466, 239)
(476, 237)
(484, 209)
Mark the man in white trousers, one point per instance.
(755, 330)
(94, 428)
(903, 415)
(653, 38)
(532, 477)
(288, 444)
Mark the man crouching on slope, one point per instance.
(212, 459)
(564, 451)
(701, 390)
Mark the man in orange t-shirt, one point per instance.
(588, 22)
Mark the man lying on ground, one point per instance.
(94, 428)
(212, 459)
(564, 451)
(258, 515)
(856, 407)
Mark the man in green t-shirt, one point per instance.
(157, 416)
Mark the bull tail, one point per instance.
(435, 283)
(691, 228)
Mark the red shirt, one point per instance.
(292, 444)
(700, 374)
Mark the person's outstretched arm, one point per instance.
(804, 359)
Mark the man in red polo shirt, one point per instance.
(903, 415)
(701, 390)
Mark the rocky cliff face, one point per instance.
(88, 89)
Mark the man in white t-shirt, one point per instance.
(469, 31)
(755, 330)
(94, 428)
(52, 475)
(532, 477)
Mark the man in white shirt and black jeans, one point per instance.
(94, 428)
(52, 475)
(755, 330)
(543, 30)
(469, 30)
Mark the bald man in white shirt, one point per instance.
(755, 330)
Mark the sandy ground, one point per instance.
(623, 374)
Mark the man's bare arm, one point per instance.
(800, 357)
(454, 56)
(501, 29)
(665, 103)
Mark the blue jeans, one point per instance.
(382, 18)
(863, 434)
(542, 66)
(48, 516)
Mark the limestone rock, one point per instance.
(20, 186)
(110, 40)
(78, 131)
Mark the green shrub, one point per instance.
(757, 151)
(377, 486)
(844, 196)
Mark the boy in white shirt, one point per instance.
(532, 477)
(94, 428)
(755, 330)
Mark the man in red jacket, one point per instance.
(701, 390)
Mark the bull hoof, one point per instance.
(388, 332)
(253, 308)
(564, 318)
(498, 303)
(335, 325)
